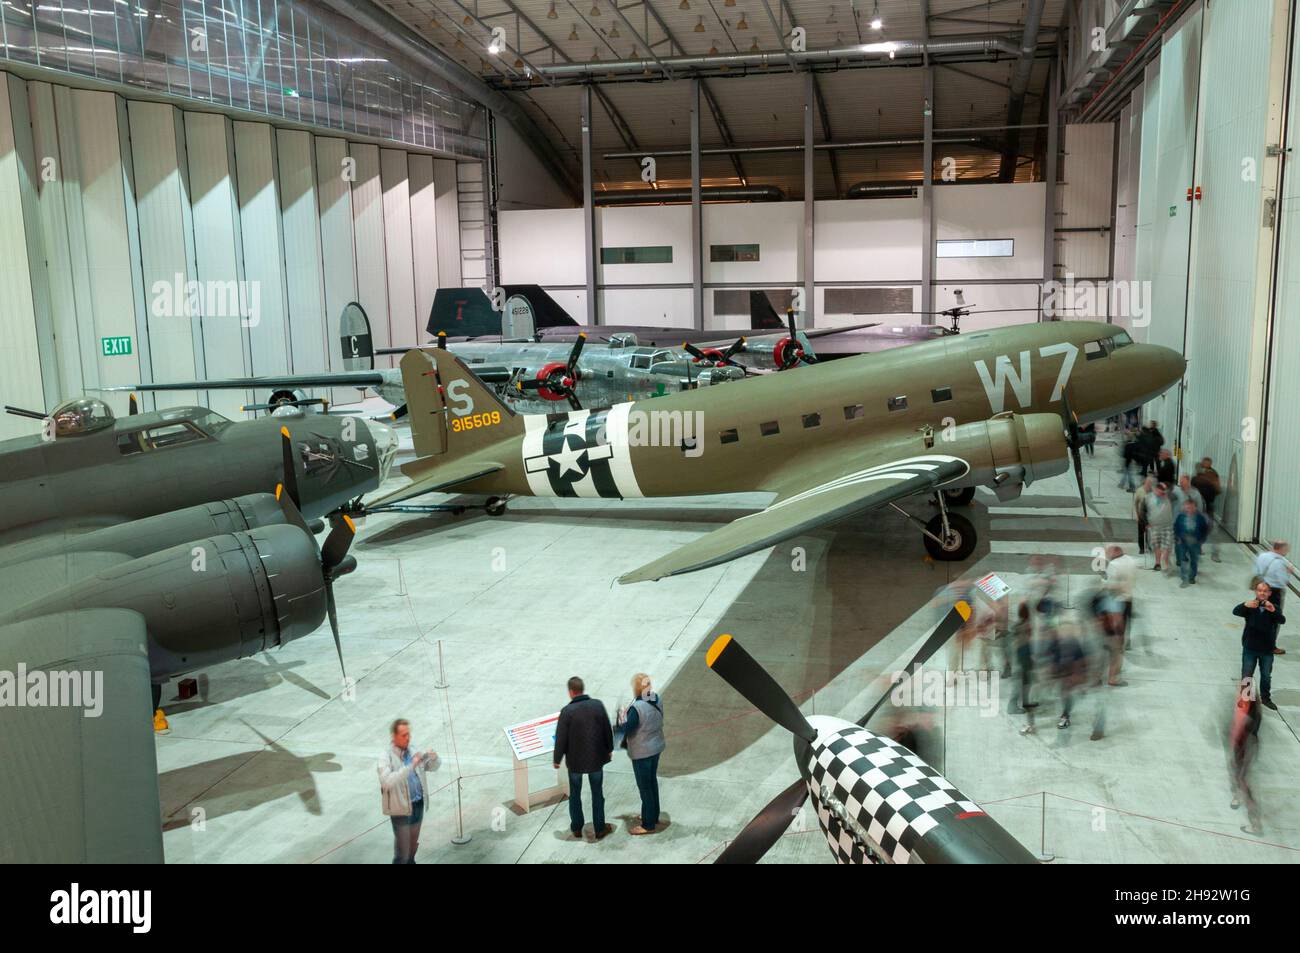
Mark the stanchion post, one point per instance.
(442, 671)
(1043, 854)
(461, 837)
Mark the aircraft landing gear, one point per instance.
(495, 506)
(952, 545)
(960, 496)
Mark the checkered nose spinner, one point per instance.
(876, 801)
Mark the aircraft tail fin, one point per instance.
(761, 312)
(452, 412)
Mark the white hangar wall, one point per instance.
(869, 243)
(1209, 107)
(113, 206)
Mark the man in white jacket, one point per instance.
(402, 783)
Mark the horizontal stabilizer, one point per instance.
(432, 480)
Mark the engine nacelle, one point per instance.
(143, 536)
(208, 600)
(1009, 452)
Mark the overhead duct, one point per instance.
(882, 190)
(1019, 86)
(719, 193)
(399, 36)
(868, 51)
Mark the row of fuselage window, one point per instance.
(771, 428)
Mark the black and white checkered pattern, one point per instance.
(885, 791)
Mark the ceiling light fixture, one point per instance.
(614, 34)
(595, 10)
(699, 27)
(684, 5)
(551, 14)
(713, 48)
(573, 34)
(742, 23)
(876, 22)
(753, 47)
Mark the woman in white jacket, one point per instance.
(403, 785)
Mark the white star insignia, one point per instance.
(567, 459)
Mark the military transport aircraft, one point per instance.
(876, 801)
(997, 408)
(134, 550)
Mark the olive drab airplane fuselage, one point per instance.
(960, 411)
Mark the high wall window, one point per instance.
(637, 255)
(733, 253)
(975, 248)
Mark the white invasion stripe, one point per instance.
(539, 481)
(897, 470)
(620, 464)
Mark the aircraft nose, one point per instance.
(1169, 365)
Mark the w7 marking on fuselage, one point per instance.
(1021, 381)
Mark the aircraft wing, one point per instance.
(75, 788)
(778, 335)
(439, 477)
(808, 497)
(324, 379)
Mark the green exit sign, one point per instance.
(115, 347)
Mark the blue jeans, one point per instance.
(1265, 659)
(576, 819)
(646, 771)
(406, 834)
(1189, 558)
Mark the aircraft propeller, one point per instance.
(334, 558)
(1071, 421)
(556, 381)
(789, 351)
(742, 672)
(716, 357)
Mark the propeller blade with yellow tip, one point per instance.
(290, 474)
(956, 617)
(739, 670)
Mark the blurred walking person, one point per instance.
(1207, 483)
(1121, 581)
(1243, 748)
(1190, 529)
(1160, 527)
(1144, 490)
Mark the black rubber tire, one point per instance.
(962, 543)
(959, 497)
(495, 506)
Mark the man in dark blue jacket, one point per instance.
(1191, 527)
(1259, 638)
(584, 739)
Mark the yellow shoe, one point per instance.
(160, 725)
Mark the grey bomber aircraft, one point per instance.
(134, 550)
(998, 408)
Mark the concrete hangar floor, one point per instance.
(269, 764)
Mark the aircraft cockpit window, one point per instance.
(81, 415)
(641, 361)
(171, 435)
(129, 443)
(664, 357)
(211, 423)
(1097, 349)
(1121, 339)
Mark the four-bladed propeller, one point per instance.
(742, 672)
(714, 357)
(558, 381)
